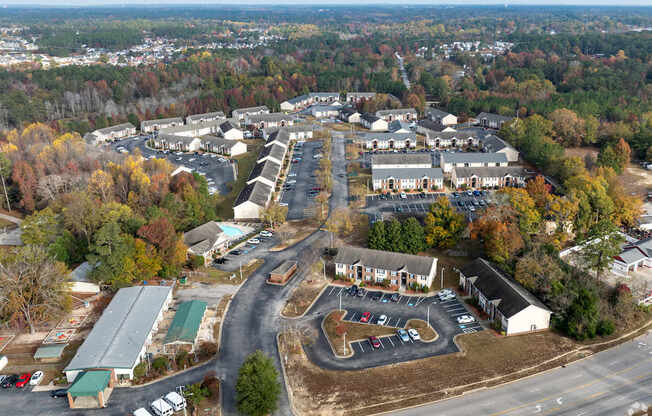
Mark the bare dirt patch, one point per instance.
(425, 331)
(319, 392)
(292, 232)
(336, 329)
(303, 296)
(637, 181)
(214, 276)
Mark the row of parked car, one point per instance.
(165, 406)
(22, 380)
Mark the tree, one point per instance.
(377, 238)
(33, 286)
(582, 316)
(568, 127)
(615, 156)
(443, 225)
(274, 214)
(195, 393)
(539, 191)
(499, 232)
(394, 240)
(412, 236)
(112, 255)
(257, 388)
(602, 244)
(529, 218)
(5, 172)
(100, 184)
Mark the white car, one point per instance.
(291, 181)
(283, 204)
(253, 241)
(317, 156)
(192, 159)
(465, 319)
(382, 320)
(449, 296)
(413, 334)
(213, 155)
(403, 195)
(36, 379)
(221, 160)
(292, 175)
(266, 233)
(444, 292)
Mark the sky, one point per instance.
(319, 2)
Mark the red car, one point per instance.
(23, 380)
(374, 341)
(365, 317)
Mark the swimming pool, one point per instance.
(231, 231)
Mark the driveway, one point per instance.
(298, 197)
(210, 294)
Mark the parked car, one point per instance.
(23, 380)
(374, 341)
(476, 193)
(365, 317)
(353, 290)
(59, 393)
(455, 195)
(403, 195)
(413, 334)
(253, 241)
(36, 378)
(382, 320)
(236, 252)
(9, 381)
(469, 193)
(444, 292)
(361, 292)
(465, 319)
(394, 297)
(291, 182)
(266, 233)
(377, 296)
(291, 175)
(403, 335)
(283, 204)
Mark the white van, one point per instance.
(3, 361)
(161, 408)
(141, 412)
(177, 401)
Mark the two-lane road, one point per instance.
(609, 383)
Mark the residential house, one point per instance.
(373, 123)
(488, 177)
(222, 146)
(263, 121)
(503, 298)
(405, 172)
(398, 270)
(402, 114)
(633, 256)
(202, 118)
(295, 103)
(359, 97)
(325, 111)
(449, 161)
(491, 121)
(194, 130)
(401, 160)
(280, 137)
(493, 143)
(388, 140)
(242, 113)
(206, 240)
(266, 172)
(80, 281)
(441, 117)
(119, 338)
(349, 115)
(299, 131)
(230, 131)
(252, 200)
(149, 126)
(324, 97)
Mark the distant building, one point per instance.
(384, 141)
(275, 153)
(349, 115)
(230, 131)
(271, 120)
(400, 271)
(112, 133)
(503, 298)
(183, 333)
(401, 160)
(193, 130)
(177, 143)
(373, 123)
(358, 97)
(401, 114)
(202, 118)
(488, 177)
(492, 121)
(398, 126)
(222, 146)
(266, 172)
(632, 257)
(149, 126)
(242, 113)
(325, 111)
(449, 161)
(405, 172)
(80, 281)
(442, 117)
(283, 272)
(300, 131)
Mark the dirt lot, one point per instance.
(425, 331)
(319, 392)
(214, 276)
(334, 326)
(294, 231)
(303, 296)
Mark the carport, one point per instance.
(91, 389)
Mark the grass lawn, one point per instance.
(425, 332)
(214, 276)
(246, 163)
(353, 331)
(318, 391)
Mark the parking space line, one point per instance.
(399, 298)
(381, 343)
(459, 314)
(340, 292)
(360, 345)
(353, 317)
(390, 340)
(397, 323)
(389, 318)
(331, 292)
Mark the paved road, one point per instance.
(11, 237)
(609, 383)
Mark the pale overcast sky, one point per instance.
(320, 2)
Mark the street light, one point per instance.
(428, 315)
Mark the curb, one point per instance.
(309, 306)
(178, 373)
(433, 330)
(285, 377)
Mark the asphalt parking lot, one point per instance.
(298, 194)
(218, 173)
(442, 316)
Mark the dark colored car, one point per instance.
(394, 297)
(59, 393)
(9, 381)
(236, 252)
(377, 296)
(353, 290)
(374, 341)
(361, 292)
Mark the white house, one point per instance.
(373, 123)
(349, 115)
(295, 103)
(149, 126)
(194, 130)
(177, 143)
(299, 131)
(455, 139)
(401, 160)
(633, 256)
(325, 111)
(206, 240)
(202, 118)
(388, 140)
(442, 117)
(275, 152)
(242, 113)
(222, 146)
(491, 121)
(402, 114)
(266, 172)
(503, 298)
(449, 161)
(251, 201)
(407, 179)
(493, 143)
(358, 97)
(79, 281)
(107, 134)
(119, 338)
(230, 131)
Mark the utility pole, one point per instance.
(428, 315)
(442, 278)
(345, 343)
(240, 271)
(340, 301)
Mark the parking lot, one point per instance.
(299, 189)
(216, 169)
(442, 316)
(383, 206)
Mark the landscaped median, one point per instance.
(336, 330)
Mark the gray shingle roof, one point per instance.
(247, 110)
(492, 117)
(473, 157)
(406, 159)
(256, 192)
(267, 169)
(269, 117)
(226, 126)
(119, 127)
(406, 173)
(490, 172)
(385, 260)
(219, 141)
(119, 335)
(348, 111)
(280, 136)
(496, 286)
(213, 115)
(397, 125)
(437, 113)
(381, 113)
(171, 138)
(203, 238)
(448, 135)
(325, 95)
(161, 121)
(494, 143)
(297, 100)
(360, 95)
(369, 117)
(368, 137)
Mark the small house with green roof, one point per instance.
(184, 329)
(91, 389)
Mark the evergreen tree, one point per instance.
(257, 388)
(394, 236)
(377, 238)
(413, 236)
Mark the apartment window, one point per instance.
(394, 282)
(368, 269)
(466, 165)
(380, 279)
(368, 278)
(486, 164)
(497, 164)
(393, 273)
(351, 267)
